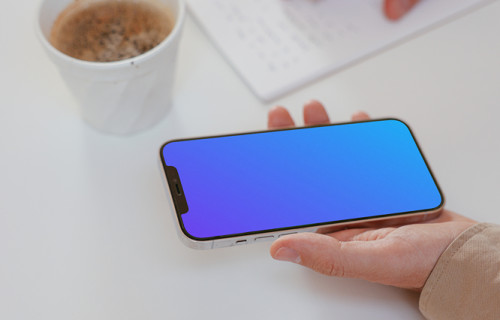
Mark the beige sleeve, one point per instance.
(465, 283)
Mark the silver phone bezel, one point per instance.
(376, 222)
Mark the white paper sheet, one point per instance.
(279, 45)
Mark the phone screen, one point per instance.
(254, 182)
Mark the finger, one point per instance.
(348, 234)
(279, 117)
(315, 114)
(395, 9)
(362, 234)
(360, 116)
(327, 255)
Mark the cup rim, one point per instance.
(120, 63)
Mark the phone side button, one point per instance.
(264, 238)
(238, 242)
(286, 234)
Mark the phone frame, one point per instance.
(327, 227)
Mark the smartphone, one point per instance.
(243, 188)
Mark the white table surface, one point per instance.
(85, 225)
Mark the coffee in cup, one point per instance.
(110, 30)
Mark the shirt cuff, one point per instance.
(465, 283)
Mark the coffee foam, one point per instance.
(110, 30)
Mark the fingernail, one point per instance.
(287, 254)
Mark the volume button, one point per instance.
(264, 238)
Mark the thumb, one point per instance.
(327, 255)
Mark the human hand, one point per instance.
(401, 256)
(395, 9)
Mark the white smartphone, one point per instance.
(242, 188)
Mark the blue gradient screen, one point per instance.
(281, 179)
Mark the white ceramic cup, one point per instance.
(119, 97)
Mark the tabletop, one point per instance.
(85, 223)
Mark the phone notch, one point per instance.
(176, 190)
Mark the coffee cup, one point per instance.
(119, 96)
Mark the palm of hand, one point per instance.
(398, 256)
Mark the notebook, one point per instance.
(277, 46)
